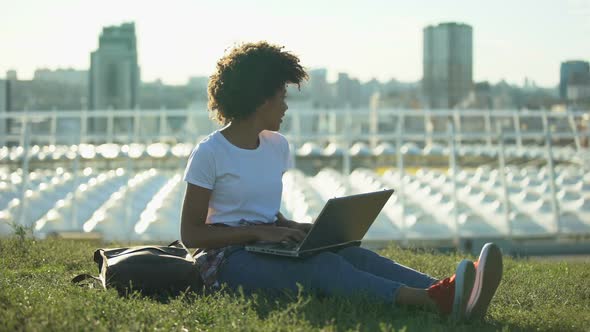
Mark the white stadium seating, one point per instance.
(446, 187)
(146, 205)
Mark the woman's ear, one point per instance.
(264, 105)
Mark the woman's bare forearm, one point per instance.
(207, 236)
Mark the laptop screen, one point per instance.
(345, 219)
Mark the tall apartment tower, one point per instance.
(569, 70)
(447, 64)
(319, 89)
(114, 73)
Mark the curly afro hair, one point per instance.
(247, 76)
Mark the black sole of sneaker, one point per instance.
(487, 280)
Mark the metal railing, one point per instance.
(146, 126)
(452, 128)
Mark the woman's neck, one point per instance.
(243, 134)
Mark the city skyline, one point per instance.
(376, 39)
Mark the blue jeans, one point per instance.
(349, 271)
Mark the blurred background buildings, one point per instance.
(99, 150)
(113, 81)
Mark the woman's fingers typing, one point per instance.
(281, 234)
(296, 235)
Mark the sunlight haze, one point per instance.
(380, 39)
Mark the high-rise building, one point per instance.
(114, 73)
(348, 91)
(342, 90)
(447, 64)
(318, 88)
(578, 87)
(568, 70)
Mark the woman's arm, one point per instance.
(196, 234)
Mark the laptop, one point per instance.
(343, 222)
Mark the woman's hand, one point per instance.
(279, 234)
(284, 222)
(305, 227)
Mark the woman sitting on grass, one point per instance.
(234, 179)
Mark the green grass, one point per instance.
(36, 294)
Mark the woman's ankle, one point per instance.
(413, 297)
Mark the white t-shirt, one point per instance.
(246, 184)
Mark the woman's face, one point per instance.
(274, 109)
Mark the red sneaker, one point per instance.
(451, 294)
(487, 279)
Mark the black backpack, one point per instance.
(150, 270)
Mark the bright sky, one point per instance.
(369, 38)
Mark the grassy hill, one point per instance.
(36, 295)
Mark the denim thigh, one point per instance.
(325, 273)
(371, 262)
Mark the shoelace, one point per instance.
(443, 285)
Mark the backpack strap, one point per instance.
(80, 278)
(179, 244)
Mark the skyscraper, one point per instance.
(569, 70)
(114, 72)
(318, 86)
(343, 88)
(348, 91)
(447, 64)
